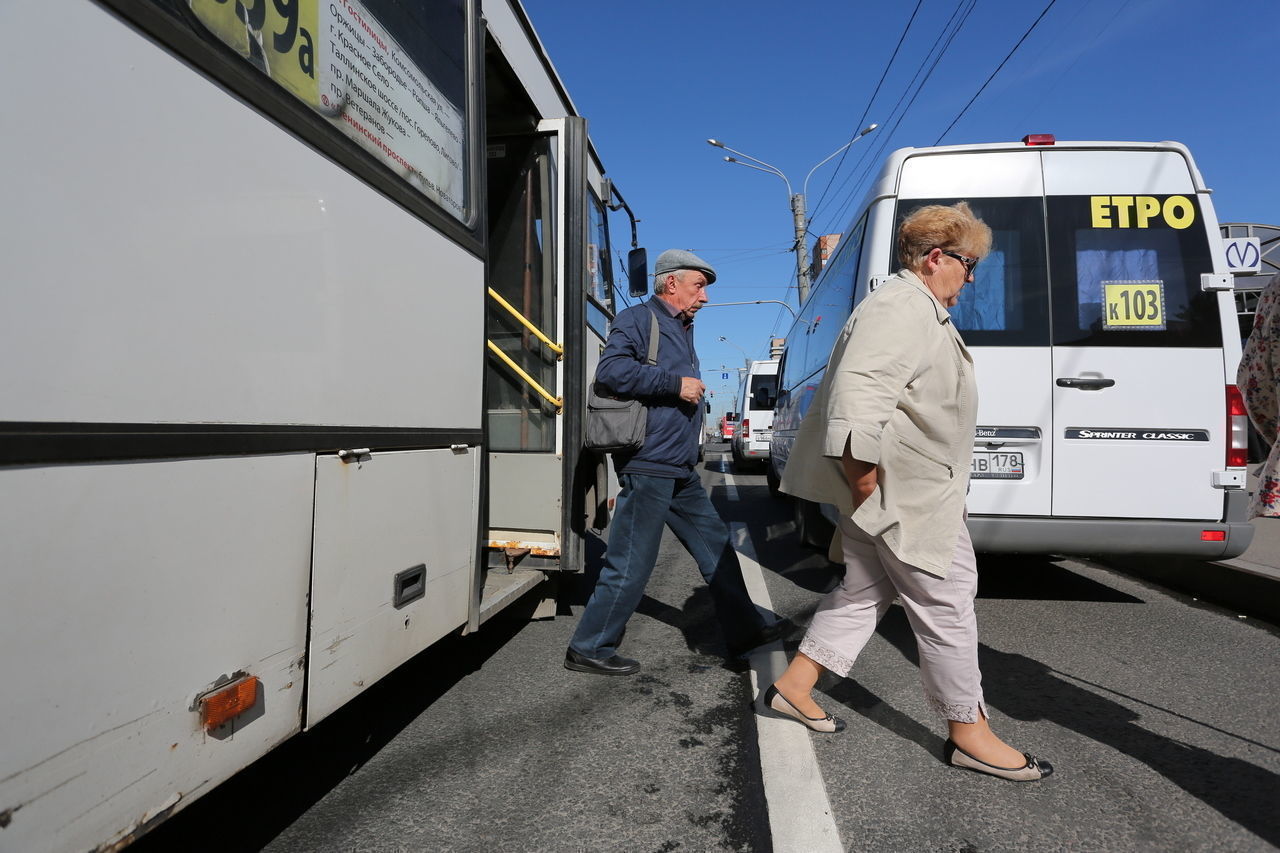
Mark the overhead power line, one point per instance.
(1014, 50)
(862, 121)
(940, 45)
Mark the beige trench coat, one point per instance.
(900, 392)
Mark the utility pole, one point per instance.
(802, 246)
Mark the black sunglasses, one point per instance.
(969, 263)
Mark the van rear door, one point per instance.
(1139, 396)
(1003, 316)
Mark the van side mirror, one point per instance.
(638, 272)
(708, 405)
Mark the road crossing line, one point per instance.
(800, 819)
(730, 488)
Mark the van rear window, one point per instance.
(1007, 303)
(1126, 272)
(1115, 270)
(766, 383)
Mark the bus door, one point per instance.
(1139, 399)
(538, 274)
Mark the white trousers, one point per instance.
(940, 611)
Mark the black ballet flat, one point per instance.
(777, 702)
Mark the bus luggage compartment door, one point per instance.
(394, 564)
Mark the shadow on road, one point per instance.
(1026, 689)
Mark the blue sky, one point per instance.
(789, 82)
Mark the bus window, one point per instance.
(1130, 275)
(390, 76)
(521, 263)
(599, 272)
(1006, 304)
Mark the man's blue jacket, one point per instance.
(671, 435)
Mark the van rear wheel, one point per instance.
(771, 477)
(812, 528)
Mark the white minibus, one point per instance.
(757, 394)
(1103, 330)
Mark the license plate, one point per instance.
(996, 466)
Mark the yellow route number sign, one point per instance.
(277, 35)
(1134, 305)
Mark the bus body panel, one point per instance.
(383, 533)
(1012, 420)
(141, 587)
(182, 259)
(201, 281)
(1002, 173)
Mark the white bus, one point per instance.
(1103, 331)
(300, 298)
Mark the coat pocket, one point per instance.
(929, 457)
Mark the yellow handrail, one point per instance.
(551, 345)
(533, 383)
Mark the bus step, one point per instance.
(501, 589)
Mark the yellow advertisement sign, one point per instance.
(276, 35)
(1141, 211)
(1133, 305)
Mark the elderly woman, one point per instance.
(888, 441)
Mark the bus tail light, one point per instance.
(228, 701)
(1237, 429)
(1039, 139)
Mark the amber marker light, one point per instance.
(228, 701)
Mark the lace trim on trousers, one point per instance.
(839, 664)
(956, 712)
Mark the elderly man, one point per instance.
(660, 485)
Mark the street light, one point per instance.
(746, 359)
(797, 202)
(753, 302)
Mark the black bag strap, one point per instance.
(654, 334)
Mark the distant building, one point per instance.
(823, 248)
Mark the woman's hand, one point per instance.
(862, 477)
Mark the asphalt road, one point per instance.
(1158, 711)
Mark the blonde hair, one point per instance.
(938, 226)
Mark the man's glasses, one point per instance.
(969, 263)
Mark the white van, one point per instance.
(757, 394)
(1103, 330)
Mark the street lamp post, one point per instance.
(746, 359)
(798, 212)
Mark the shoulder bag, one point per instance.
(614, 424)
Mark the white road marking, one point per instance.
(730, 487)
(800, 817)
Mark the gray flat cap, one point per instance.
(678, 259)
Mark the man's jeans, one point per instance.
(644, 505)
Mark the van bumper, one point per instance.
(1107, 536)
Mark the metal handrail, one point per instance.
(524, 321)
(533, 383)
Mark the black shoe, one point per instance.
(766, 635)
(616, 665)
(777, 702)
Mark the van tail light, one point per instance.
(1039, 139)
(746, 428)
(1237, 429)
